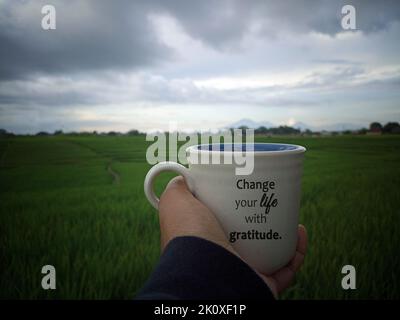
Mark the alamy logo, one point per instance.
(349, 19)
(49, 280)
(349, 280)
(168, 143)
(49, 19)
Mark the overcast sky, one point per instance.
(118, 65)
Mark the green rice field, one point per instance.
(77, 202)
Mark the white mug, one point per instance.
(259, 212)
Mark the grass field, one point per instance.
(77, 203)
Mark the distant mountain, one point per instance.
(250, 124)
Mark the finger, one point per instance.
(302, 240)
(177, 184)
(301, 249)
(172, 201)
(285, 276)
(176, 190)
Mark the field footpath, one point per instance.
(116, 177)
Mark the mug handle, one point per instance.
(155, 171)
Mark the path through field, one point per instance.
(114, 174)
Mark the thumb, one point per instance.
(181, 214)
(175, 193)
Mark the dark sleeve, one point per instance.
(194, 268)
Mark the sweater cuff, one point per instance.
(193, 268)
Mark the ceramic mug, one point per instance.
(258, 212)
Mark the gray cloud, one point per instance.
(105, 35)
(144, 88)
(108, 58)
(90, 35)
(222, 23)
(45, 119)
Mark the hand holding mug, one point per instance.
(257, 213)
(181, 214)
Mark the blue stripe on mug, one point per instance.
(257, 147)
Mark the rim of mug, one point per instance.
(298, 149)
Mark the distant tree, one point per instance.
(133, 132)
(85, 133)
(362, 131)
(261, 130)
(375, 127)
(112, 133)
(58, 132)
(42, 133)
(3, 132)
(307, 132)
(285, 130)
(243, 128)
(347, 132)
(391, 127)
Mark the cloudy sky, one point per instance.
(117, 65)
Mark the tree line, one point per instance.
(374, 128)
